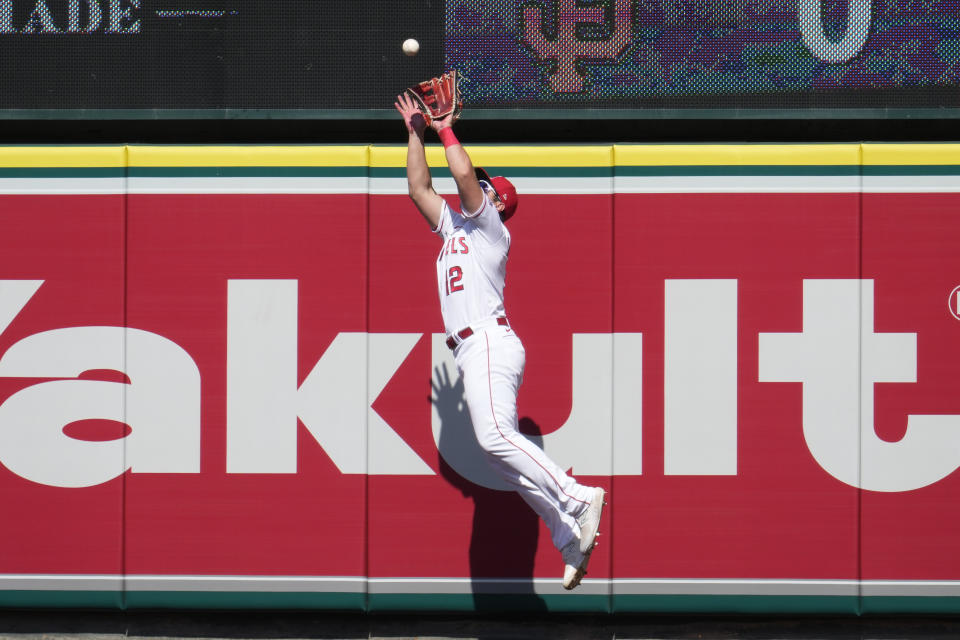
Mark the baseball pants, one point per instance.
(491, 364)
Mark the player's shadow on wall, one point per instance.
(503, 541)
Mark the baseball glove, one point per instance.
(438, 97)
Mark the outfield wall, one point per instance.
(223, 381)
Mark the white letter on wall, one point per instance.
(839, 358)
(161, 405)
(700, 377)
(264, 402)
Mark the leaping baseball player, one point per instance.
(471, 269)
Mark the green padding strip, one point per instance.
(443, 172)
(552, 172)
(446, 602)
(401, 172)
(912, 170)
(740, 170)
(482, 603)
(247, 172)
(625, 603)
(245, 600)
(910, 604)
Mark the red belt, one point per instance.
(463, 334)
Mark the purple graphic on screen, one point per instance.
(614, 51)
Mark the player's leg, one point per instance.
(492, 369)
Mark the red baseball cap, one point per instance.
(504, 190)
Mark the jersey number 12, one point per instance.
(454, 274)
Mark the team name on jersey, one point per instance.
(455, 244)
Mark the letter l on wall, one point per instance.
(700, 377)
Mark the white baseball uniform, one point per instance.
(471, 270)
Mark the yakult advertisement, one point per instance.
(224, 380)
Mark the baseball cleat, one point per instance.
(589, 521)
(574, 564)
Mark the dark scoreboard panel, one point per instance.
(213, 54)
(162, 57)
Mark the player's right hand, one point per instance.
(412, 117)
(444, 122)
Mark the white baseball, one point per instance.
(411, 47)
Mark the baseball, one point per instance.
(411, 47)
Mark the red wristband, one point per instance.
(447, 137)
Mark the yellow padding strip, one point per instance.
(502, 156)
(482, 155)
(249, 156)
(734, 155)
(55, 157)
(911, 154)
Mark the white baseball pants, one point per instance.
(491, 365)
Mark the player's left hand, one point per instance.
(412, 117)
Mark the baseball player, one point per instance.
(471, 269)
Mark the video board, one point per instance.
(160, 58)
(688, 54)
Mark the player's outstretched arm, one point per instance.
(461, 167)
(419, 182)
